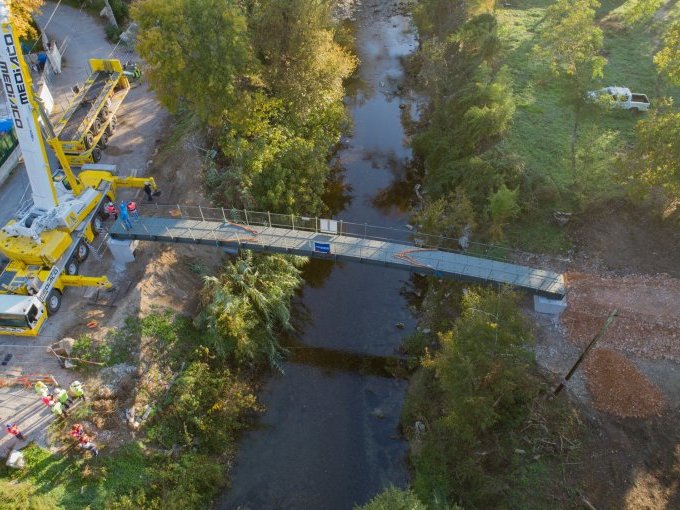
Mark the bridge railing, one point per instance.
(345, 228)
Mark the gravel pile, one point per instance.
(649, 318)
(619, 388)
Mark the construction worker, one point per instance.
(86, 443)
(148, 191)
(132, 210)
(124, 218)
(77, 430)
(57, 409)
(41, 388)
(76, 390)
(63, 398)
(111, 211)
(13, 430)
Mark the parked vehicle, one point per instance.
(620, 97)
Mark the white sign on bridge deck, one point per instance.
(328, 226)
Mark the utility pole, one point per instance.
(599, 335)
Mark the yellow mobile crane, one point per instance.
(46, 241)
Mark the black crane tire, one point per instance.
(96, 154)
(82, 251)
(53, 301)
(89, 140)
(71, 268)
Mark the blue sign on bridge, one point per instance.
(322, 247)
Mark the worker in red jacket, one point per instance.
(14, 430)
(132, 209)
(111, 211)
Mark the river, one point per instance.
(329, 437)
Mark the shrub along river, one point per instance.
(329, 437)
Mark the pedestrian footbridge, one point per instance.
(337, 240)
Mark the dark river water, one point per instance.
(329, 437)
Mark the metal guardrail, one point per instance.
(345, 228)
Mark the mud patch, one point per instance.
(619, 388)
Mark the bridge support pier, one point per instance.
(550, 306)
(123, 251)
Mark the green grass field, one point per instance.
(543, 126)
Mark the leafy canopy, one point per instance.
(656, 157)
(571, 40)
(474, 393)
(21, 12)
(668, 59)
(197, 51)
(248, 305)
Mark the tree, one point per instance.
(278, 131)
(655, 159)
(198, 52)
(503, 207)
(571, 40)
(668, 59)
(302, 64)
(248, 305)
(21, 14)
(447, 216)
(476, 391)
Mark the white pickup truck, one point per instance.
(620, 97)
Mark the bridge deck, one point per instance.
(343, 247)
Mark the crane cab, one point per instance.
(22, 315)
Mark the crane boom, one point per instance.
(16, 80)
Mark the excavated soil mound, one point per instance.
(619, 388)
(649, 319)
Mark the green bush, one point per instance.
(120, 11)
(113, 33)
(87, 349)
(394, 499)
(205, 409)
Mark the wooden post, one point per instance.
(599, 335)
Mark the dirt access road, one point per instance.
(628, 391)
(160, 277)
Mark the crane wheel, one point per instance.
(111, 128)
(104, 113)
(89, 140)
(53, 301)
(96, 154)
(96, 126)
(82, 251)
(103, 141)
(98, 223)
(72, 267)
